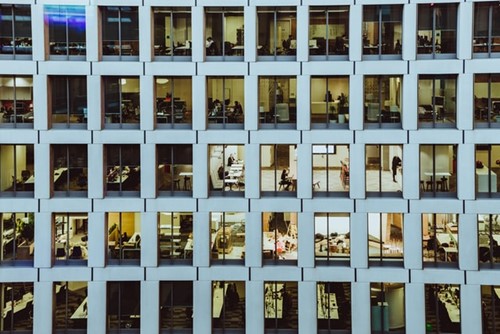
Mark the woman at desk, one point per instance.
(231, 160)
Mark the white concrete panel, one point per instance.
(149, 239)
(304, 168)
(360, 308)
(42, 300)
(306, 239)
(359, 240)
(253, 239)
(149, 170)
(42, 171)
(44, 234)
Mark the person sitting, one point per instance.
(285, 180)
(211, 47)
(222, 174)
(231, 160)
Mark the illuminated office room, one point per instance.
(70, 236)
(227, 231)
(330, 169)
(280, 236)
(175, 236)
(227, 169)
(278, 168)
(124, 237)
(331, 237)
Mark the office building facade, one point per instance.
(204, 166)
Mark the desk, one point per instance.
(19, 305)
(486, 178)
(326, 304)
(81, 311)
(273, 301)
(446, 238)
(451, 307)
(218, 294)
(239, 50)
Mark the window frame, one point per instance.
(67, 258)
(271, 244)
(105, 49)
(174, 153)
(24, 233)
(431, 240)
(275, 12)
(66, 14)
(72, 155)
(233, 176)
(62, 294)
(436, 9)
(432, 295)
(178, 108)
(381, 259)
(26, 43)
(330, 53)
(331, 257)
(450, 191)
(476, 46)
(165, 304)
(123, 289)
(333, 107)
(379, 10)
(224, 54)
(492, 104)
(26, 181)
(120, 171)
(24, 117)
(290, 186)
(183, 51)
(489, 255)
(228, 117)
(381, 187)
(225, 228)
(384, 118)
(270, 119)
(70, 95)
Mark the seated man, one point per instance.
(285, 179)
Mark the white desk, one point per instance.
(446, 238)
(19, 305)
(484, 178)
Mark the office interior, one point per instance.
(280, 305)
(224, 25)
(487, 169)
(442, 308)
(175, 168)
(437, 99)
(17, 166)
(176, 306)
(488, 239)
(227, 230)
(438, 174)
(121, 101)
(387, 307)
(278, 167)
(173, 100)
(224, 94)
(123, 169)
(66, 27)
(175, 232)
(16, 98)
(70, 305)
(280, 236)
(228, 306)
(382, 29)
(437, 28)
(330, 168)
(172, 31)
(486, 98)
(17, 236)
(277, 100)
(333, 306)
(70, 236)
(120, 32)
(486, 40)
(330, 99)
(16, 39)
(440, 237)
(124, 235)
(380, 174)
(123, 299)
(490, 295)
(16, 300)
(276, 31)
(70, 172)
(383, 99)
(328, 31)
(227, 168)
(67, 100)
(331, 236)
(385, 236)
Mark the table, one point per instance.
(486, 178)
(327, 304)
(239, 50)
(273, 301)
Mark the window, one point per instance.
(123, 305)
(228, 305)
(227, 231)
(227, 170)
(486, 100)
(224, 33)
(123, 174)
(175, 234)
(174, 102)
(387, 307)
(333, 306)
(280, 236)
(68, 101)
(330, 170)
(172, 33)
(442, 308)
(328, 32)
(437, 30)
(440, 239)
(15, 30)
(17, 238)
(66, 26)
(278, 169)
(329, 102)
(382, 31)
(280, 306)
(384, 170)
(120, 33)
(383, 101)
(71, 308)
(437, 100)
(17, 296)
(277, 102)
(488, 240)
(486, 40)
(16, 98)
(175, 169)
(17, 166)
(438, 174)
(385, 238)
(332, 241)
(490, 308)
(277, 33)
(176, 306)
(487, 182)
(69, 169)
(121, 102)
(71, 237)
(225, 102)
(124, 237)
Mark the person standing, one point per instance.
(396, 163)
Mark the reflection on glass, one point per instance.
(442, 308)
(176, 305)
(172, 31)
(17, 166)
(440, 237)
(437, 28)
(225, 101)
(280, 236)
(438, 170)
(228, 305)
(71, 305)
(124, 236)
(487, 100)
(123, 305)
(224, 31)
(227, 231)
(330, 169)
(384, 169)
(121, 102)
(15, 28)
(173, 101)
(385, 236)
(383, 99)
(66, 29)
(387, 307)
(175, 233)
(280, 305)
(277, 34)
(486, 40)
(71, 236)
(278, 169)
(227, 168)
(120, 31)
(332, 236)
(329, 101)
(16, 101)
(382, 30)
(68, 102)
(437, 100)
(329, 31)
(17, 237)
(175, 168)
(69, 168)
(488, 238)
(277, 100)
(333, 301)
(17, 306)
(490, 310)
(123, 169)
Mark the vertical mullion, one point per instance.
(490, 109)
(13, 24)
(14, 88)
(327, 15)
(490, 22)
(68, 100)
(66, 25)
(172, 104)
(120, 32)
(379, 9)
(433, 32)
(172, 41)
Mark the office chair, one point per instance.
(76, 254)
(282, 113)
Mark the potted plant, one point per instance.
(332, 114)
(343, 107)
